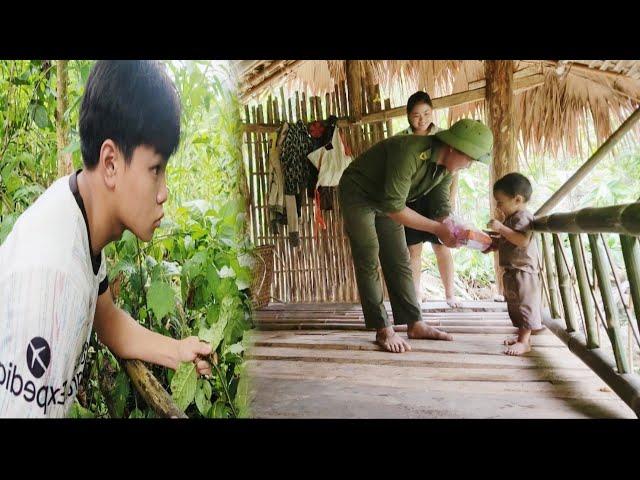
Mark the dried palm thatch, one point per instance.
(578, 100)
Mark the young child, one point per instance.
(518, 256)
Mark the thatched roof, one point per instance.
(574, 95)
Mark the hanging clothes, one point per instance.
(276, 199)
(321, 132)
(283, 209)
(295, 166)
(295, 169)
(330, 160)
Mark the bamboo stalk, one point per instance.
(613, 325)
(631, 254)
(151, 390)
(585, 293)
(388, 123)
(248, 139)
(283, 104)
(327, 105)
(456, 99)
(343, 100)
(303, 107)
(298, 113)
(260, 164)
(565, 286)
(334, 105)
(551, 277)
(621, 219)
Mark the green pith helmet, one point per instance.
(471, 137)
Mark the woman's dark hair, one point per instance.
(514, 184)
(416, 98)
(133, 103)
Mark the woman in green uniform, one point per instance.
(373, 193)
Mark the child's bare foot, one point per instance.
(388, 339)
(510, 341)
(453, 302)
(421, 330)
(518, 349)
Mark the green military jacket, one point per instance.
(398, 170)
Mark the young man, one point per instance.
(374, 191)
(53, 279)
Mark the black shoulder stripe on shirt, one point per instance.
(104, 284)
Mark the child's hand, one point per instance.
(495, 225)
(494, 245)
(191, 349)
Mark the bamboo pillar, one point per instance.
(565, 286)
(631, 253)
(585, 292)
(613, 326)
(356, 107)
(499, 107)
(551, 277)
(65, 163)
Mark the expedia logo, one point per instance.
(17, 383)
(38, 356)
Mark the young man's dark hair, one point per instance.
(132, 102)
(416, 98)
(514, 184)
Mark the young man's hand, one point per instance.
(191, 349)
(446, 237)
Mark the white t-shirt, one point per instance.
(48, 295)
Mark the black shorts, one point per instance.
(423, 207)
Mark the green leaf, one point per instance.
(121, 392)
(72, 147)
(202, 399)
(161, 299)
(215, 334)
(226, 272)
(236, 348)
(40, 116)
(78, 411)
(136, 413)
(218, 410)
(183, 385)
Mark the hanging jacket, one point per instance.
(294, 160)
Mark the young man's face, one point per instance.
(142, 191)
(454, 160)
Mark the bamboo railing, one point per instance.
(594, 307)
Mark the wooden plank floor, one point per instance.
(319, 361)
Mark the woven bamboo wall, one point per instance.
(320, 269)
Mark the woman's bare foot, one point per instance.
(510, 341)
(388, 339)
(421, 330)
(518, 349)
